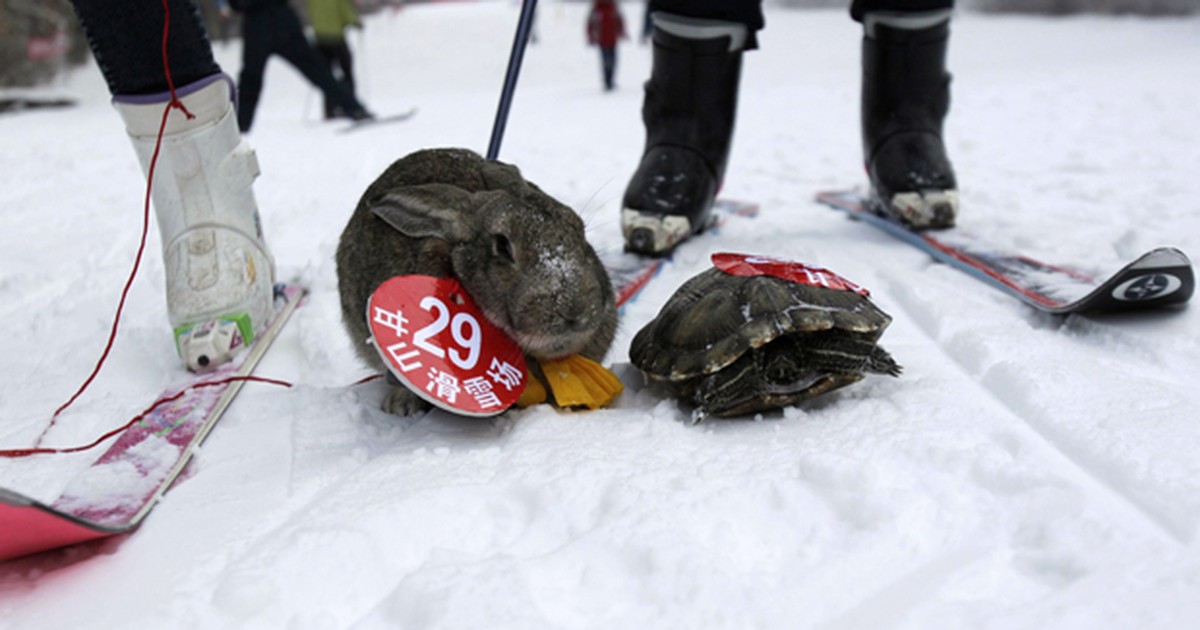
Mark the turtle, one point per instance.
(740, 343)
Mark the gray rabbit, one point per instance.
(519, 253)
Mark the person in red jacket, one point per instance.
(604, 28)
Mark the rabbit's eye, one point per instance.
(503, 248)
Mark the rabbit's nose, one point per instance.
(572, 314)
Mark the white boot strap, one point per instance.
(908, 21)
(697, 28)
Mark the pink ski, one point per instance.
(123, 485)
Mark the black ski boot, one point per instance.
(688, 111)
(905, 97)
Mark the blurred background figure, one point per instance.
(605, 28)
(271, 27)
(224, 20)
(329, 20)
(647, 25)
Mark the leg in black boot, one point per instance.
(905, 97)
(689, 112)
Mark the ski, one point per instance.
(143, 463)
(378, 120)
(630, 272)
(19, 104)
(1160, 277)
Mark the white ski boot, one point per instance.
(220, 275)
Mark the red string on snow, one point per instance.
(174, 103)
(14, 453)
(26, 452)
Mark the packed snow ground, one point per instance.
(1026, 471)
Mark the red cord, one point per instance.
(174, 103)
(13, 453)
(25, 452)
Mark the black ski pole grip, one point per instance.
(524, 25)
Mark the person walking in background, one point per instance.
(271, 27)
(605, 28)
(329, 20)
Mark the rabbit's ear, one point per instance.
(429, 210)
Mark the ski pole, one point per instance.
(510, 77)
(363, 71)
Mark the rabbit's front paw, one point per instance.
(402, 402)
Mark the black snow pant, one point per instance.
(126, 39)
(276, 30)
(749, 12)
(337, 57)
(608, 65)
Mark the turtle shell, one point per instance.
(736, 344)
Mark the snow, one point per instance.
(1025, 471)
(120, 486)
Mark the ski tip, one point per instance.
(1162, 257)
(1160, 277)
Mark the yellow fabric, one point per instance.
(534, 394)
(577, 381)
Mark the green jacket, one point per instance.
(329, 19)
